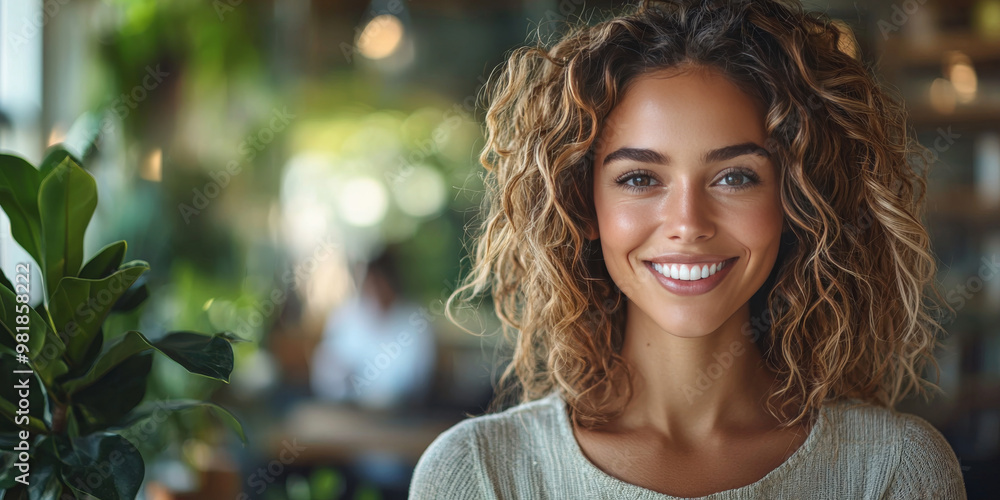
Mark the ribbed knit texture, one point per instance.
(853, 451)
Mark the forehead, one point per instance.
(682, 112)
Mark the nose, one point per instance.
(686, 213)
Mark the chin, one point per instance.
(690, 329)
(687, 323)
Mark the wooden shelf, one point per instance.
(961, 205)
(986, 116)
(900, 52)
(901, 55)
(335, 433)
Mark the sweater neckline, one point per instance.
(797, 457)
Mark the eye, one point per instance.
(740, 178)
(641, 180)
(635, 180)
(735, 179)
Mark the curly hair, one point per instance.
(850, 309)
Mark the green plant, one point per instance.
(65, 395)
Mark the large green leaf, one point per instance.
(19, 185)
(8, 440)
(78, 306)
(50, 363)
(211, 356)
(53, 157)
(114, 395)
(87, 361)
(67, 198)
(104, 465)
(105, 262)
(45, 348)
(35, 326)
(19, 492)
(8, 472)
(132, 298)
(9, 411)
(157, 411)
(47, 365)
(45, 481)
(5, 282)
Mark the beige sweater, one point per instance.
(529, 452)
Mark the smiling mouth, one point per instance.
(690, 272)
(700, 278)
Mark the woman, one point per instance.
(703, 232)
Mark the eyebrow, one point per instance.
(643, 155)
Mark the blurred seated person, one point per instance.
(377, 349)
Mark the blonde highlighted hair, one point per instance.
(850, 309)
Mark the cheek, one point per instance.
(622, 221)
(761, 222)
(759, 228)
(624, 227)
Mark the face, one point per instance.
(683, 181)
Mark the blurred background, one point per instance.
(302, 173)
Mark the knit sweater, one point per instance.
(854, 450)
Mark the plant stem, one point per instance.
(59, 418)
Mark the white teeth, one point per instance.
(688, 272)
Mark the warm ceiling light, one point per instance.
(943, 96)
(959, 70)
(381, 36)
(152, 166)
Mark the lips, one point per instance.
(689, 272)
(686, 286)
(682, 258)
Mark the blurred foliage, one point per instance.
(70, 414)
(198, 88)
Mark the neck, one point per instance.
(690, 387)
